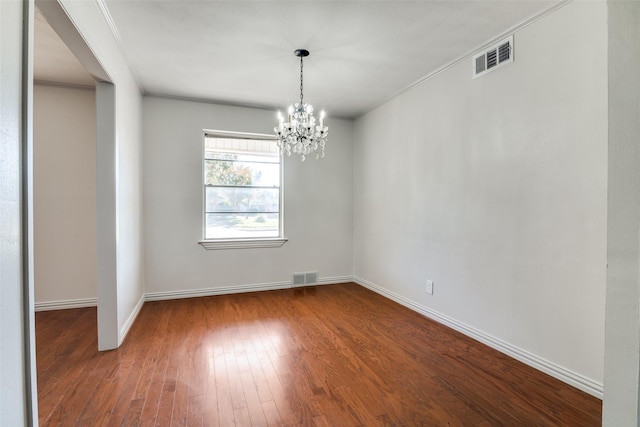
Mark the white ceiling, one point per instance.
(362, 52)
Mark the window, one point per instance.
(242, 191)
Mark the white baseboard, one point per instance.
(574, 379)
(224, 290)
(65, 304)
(334, 280)
(132, 317)
(157, 296)
(236, 289)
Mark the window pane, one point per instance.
(242, 180)
(227, 172)
(251, 225)
(239, 199)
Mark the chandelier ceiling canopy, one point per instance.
(300, 134)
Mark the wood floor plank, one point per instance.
(271, 414)
(170, 381)
(223, 391)
(326, 356)
(157, 319)
(149, 413)
(254, 405)
(195, 411)
(284, 407)
(180, 413)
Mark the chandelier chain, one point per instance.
(301, 65)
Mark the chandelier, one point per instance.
(299, 134)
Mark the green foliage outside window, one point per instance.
(221, 172)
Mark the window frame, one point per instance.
(239, 243)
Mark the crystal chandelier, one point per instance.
(299, 134)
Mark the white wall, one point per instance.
(622, 361)
(13, 361)
(495, 188)
(129, 231)
(64, 196)
(129, 286)
(317, 210)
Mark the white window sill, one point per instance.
(242, 243)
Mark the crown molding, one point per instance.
(106, 15)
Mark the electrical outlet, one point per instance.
(429, 287)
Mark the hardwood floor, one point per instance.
(336, 355)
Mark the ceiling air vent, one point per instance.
(494, 57)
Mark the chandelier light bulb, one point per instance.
(280, 122)
(300, 135)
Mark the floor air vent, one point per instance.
(311, 278)
(493, 58)
(303, 279)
